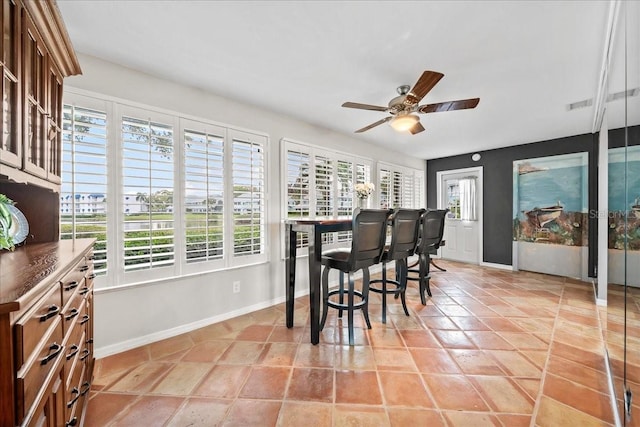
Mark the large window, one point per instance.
(179, 196)
(320, 184)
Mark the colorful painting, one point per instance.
(550, 200)
(624, 198)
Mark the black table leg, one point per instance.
(290, 262)
(315, 267)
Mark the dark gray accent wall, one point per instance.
(498, 187)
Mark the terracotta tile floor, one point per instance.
(624, 362)
(490, 348)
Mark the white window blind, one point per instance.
(320, 184)
(147, 189)
(298, 167)
(324, 186)
(249, 196)
(400, 187)
(385, 187)
(83, 209)
(204, 193)
(345, 185)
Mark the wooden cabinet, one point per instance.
(46, 285)
(35, 55)
(46, 338)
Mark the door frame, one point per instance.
(478, 171)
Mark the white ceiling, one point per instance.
(525, 60)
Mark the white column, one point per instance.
(603, 212)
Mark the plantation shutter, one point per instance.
(248, 176)
(147, 189)
(204, 192)
(83, 207)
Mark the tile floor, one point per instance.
(622, 316)
(490, 348)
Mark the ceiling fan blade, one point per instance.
(372, 125)
(417, 128)
(461, 104)
(425, 83)
(364, 106)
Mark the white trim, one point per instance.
(602, 89)
(602, 272)
(498, 266)
(121, 346)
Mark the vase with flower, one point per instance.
(363, 190)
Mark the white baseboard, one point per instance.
(601, 302)
(119, 347)
(498, 266)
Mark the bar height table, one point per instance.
(316, 228)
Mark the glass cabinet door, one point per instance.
(10, 147)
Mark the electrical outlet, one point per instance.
(236, 287)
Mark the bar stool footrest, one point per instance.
(356, 305)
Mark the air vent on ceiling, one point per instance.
(624, 94)
(612, 97)
(580, 104)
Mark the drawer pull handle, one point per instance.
(85, 353)
(85, 319)
(86, 386)
(89, 341)
(73, 313)
(84, 268)
(51, 312)
(91, 276)
(91, 257)
(55, 349)
(84, 290)
(74, 350)
(72, 422)
(71, 285)
(75, 399)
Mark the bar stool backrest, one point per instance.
(432, 230)
(405, 230)
(368, 237)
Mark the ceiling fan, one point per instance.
(403, 108)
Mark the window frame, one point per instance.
(116, 109)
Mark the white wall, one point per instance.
(127, 317)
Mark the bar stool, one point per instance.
(367, 244)
(405, 228)
(431, 234)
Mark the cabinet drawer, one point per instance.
(73, 346)
(33, 375)
(72, 311)
(31, 327)
(73, 280)
(74, 388)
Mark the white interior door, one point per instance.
(461, 192)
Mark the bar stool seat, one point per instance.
(367, 244)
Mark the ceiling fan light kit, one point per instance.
(403, 108)
(404, 122)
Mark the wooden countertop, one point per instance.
(29, 271)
